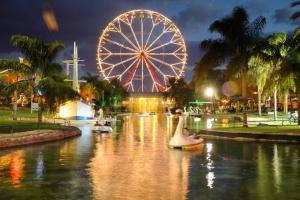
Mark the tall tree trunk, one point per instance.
(244, 96)
(286, 103)
(15, 105)
(275, 104)
(40, 110)
(259, 102)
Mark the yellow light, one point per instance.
(197, 119)
(209, 92)
(63, 112)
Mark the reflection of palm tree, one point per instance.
(238, 38)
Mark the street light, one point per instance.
(210, 92)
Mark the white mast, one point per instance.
(75, 69)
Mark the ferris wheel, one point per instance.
(142, 49)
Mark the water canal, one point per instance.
(135, 163)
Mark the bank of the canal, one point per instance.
(260, 134)
(37, 136)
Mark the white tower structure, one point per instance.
(75, 68)
(75, 64)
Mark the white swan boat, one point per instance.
(98, 128)
(181, 138)
(102, 125)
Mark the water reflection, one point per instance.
(141, 166)
(210, 175)
(14, 163)
(39, 172)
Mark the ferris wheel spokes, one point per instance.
(118, 44)
(142, 49)
(172, 66)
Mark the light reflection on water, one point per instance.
(135, 163)
(140, 165)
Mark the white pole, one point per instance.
(75, 68)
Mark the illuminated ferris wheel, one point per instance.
(142, 49)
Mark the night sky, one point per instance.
(84, 20)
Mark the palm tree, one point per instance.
(41, 55)
(290, 67)
(15, 76)
(57, 91)
(238, 37)
(295, 15)
(93, 86)
(260, 74)
(180, 91)
(271, 58)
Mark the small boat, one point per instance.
(182, 139)
(102, 128)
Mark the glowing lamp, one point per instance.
(209, 92)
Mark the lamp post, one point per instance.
(209, 92)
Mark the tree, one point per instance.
(180, 91)
(41, 55)
(290, 67)
(57, 91)
(15, 78)
(104, 93)
(93, 86)
(238, 37)
(118, 92)
(272, 56)
(295, 15)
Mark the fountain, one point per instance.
(182, 139)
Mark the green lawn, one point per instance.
(26, 121)
(20, 126)
(6, 113)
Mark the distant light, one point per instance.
(197, 119)
(209, 92)
(63, 112)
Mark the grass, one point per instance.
(21, 126)
(27, 121)
(6, 113)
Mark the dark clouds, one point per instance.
(283, 15)
(197, 14)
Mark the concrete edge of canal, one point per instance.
(37, 136)
(250, 137)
